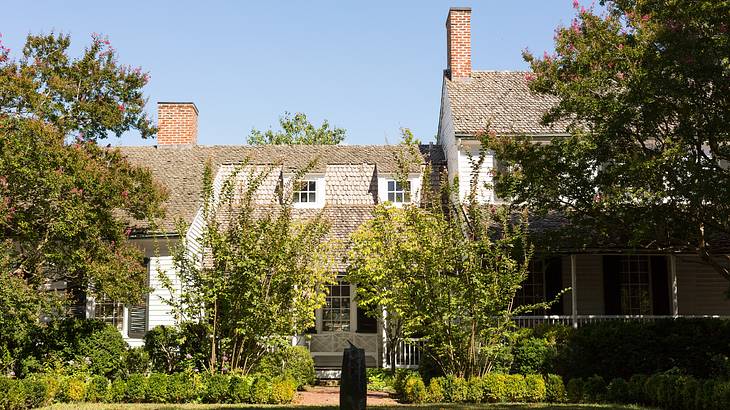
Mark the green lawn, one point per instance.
(90, 406)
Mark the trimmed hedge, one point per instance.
(41, 390)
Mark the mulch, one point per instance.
(329, 396)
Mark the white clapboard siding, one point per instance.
(468, 157)
(158, 311)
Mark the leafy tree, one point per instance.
(446, 273)
(261, 271)
(65, 201)
(645, 87)
(298, 130)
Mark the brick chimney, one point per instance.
(458, 42)
(177, 123)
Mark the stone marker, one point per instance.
(353, 381)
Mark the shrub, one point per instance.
(399, 380)
(379, 379)
(12, 395)
(98, 389)
(535, 391)
(705, 396)
(636, 389)
(239, 389)
(515, 387)
(651, 388)
(35, 391)
(293, 361)
(555, 389)
(474, 390)
(283, 390)
(532, 355)
(157, 388)
(494, 389)
(459, 390)
(260, 390)
(436, 390)
(137, 360)
(73, 390)
(618, 391)
(162, 345)
(117, 391)
(136, 388)
(594, 389)
(216, 388)
(575, 390)
(414, 390)
(180, 388)
(689, 393)
(53, 385)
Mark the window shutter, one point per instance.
(611, 285)
(659, 285)
(554, 283)
(137, 321)
(366, 323)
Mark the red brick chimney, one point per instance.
(177, 123)
(458, 42)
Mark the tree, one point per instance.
(65, 202)
(446, 272)
(261, 270)
(298, 130)
(645, 88)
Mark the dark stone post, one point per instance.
(353, 381)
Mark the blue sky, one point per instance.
(370, 67)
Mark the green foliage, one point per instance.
(414, 390)
(36, 392)
(618, 391)
(575, 390)
(283, 390)
(180, 388)
(458, 390)
(555, 389)
(261, 390)
(268, 272)
(157, 388)
(292, 361)
(516, 388)
(239, 390)
(137, 360)
(495, 388)
(73, 389)
(533, 355)
(379, 379)
(216, 388)
(475, 390)
(636, 388)
(436, 392)
(594, 389)
(644, 87)
(535, 389)
(97, 389)
(298, 130)
(136, 388)
(12, 394)
(117, 391)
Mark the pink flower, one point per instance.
(529, 77)
(620, 46)
(645, 18)
(125, 194)
(121, 107)
(127, 232)
(576, 4)
(620, 75)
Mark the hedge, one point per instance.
(41, 390)
(492, 388)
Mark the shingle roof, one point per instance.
(180, 168)
(500, 99)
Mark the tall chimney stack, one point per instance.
(458, 42)
(177, 123)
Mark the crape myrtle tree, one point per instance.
(448, 271)
(645, 87)
(256, 273)
(64, 200)
(298, 130)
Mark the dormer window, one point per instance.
(306, 192)
(399, 192)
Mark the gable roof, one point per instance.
(180, 168)
(501, 99)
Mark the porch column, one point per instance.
(673, 284)
(573, 291)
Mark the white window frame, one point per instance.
(351, 306)
(394, 192)
(118, 312)
(414, 180)
(319, 190)
(307, 190)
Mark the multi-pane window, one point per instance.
(305, 192)
(109, 311)
(399, 192)
(336, 313)
(533, 288)
(634, 273)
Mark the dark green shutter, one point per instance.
(659, 285)
(611, 285)
(554, 283)
(137, 321)
(366, 323)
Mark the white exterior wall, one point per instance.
(700, 289)
(589, 277)
(468, 156)
(158, 311)
(447, 137)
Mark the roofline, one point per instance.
(547, 134)
(460, 8)
(180, 103)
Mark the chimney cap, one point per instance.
(459, 9)
(179, 103)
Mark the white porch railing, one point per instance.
(407, 354)
(568, 320)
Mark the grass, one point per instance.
(90, 406)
